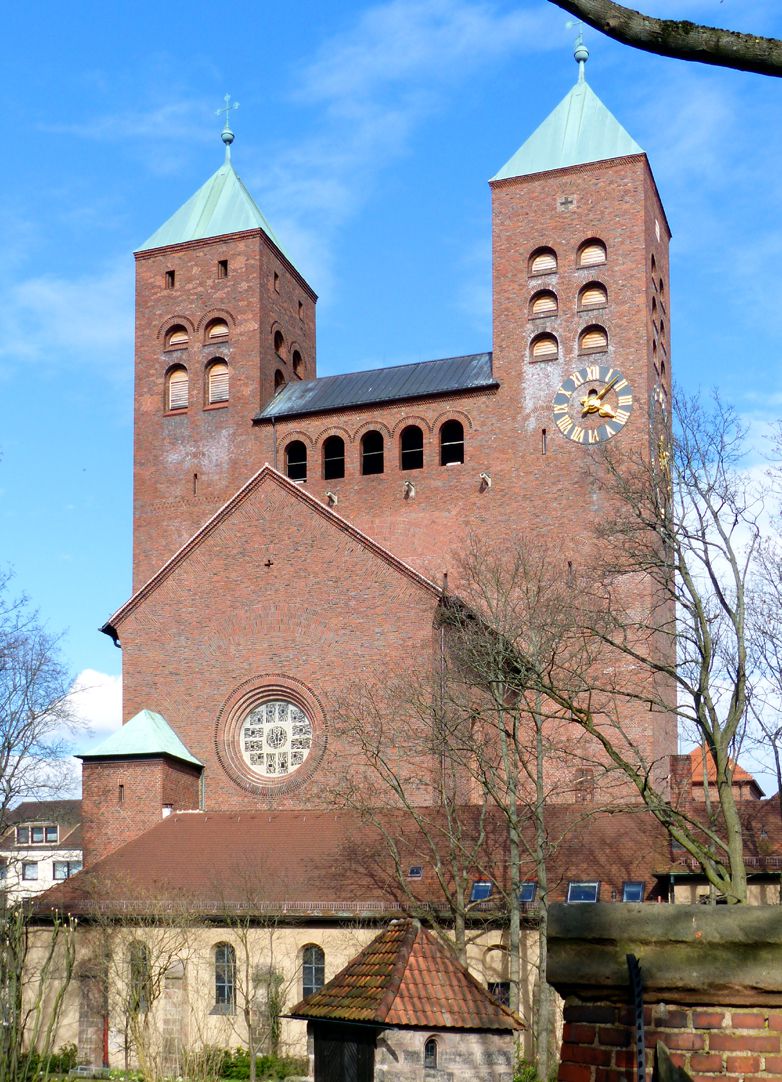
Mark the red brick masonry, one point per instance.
(708, 1042)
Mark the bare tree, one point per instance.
(679, 38)
(36, 966)
(663, 617)
(409, 787)
(36, 715)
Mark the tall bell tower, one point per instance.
(581, 323)
(223, 320)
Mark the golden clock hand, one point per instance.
(607, 388)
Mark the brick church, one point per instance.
(293, 532)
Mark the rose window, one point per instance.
(276, 738)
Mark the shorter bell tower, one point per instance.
(223, 320)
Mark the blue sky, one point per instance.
(367, 133)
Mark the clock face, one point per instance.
(593, 404)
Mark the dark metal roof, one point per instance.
(382, 385)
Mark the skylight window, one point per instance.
(632, 891)
(527, 892)
(583, 891)
(481, 890)
(415, 871)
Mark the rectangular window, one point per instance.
(301, 310)
(51, 834)
(276, 282)
(170, 279)
(29, 870)
(36, 835)
(22, 835)
(222, 268)
(63, 869)
(632, 891)
(527, 892)
(416, 871)
(501, 991)
(121, 791)
(579, 891)
(481, 890)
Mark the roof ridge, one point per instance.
(227, 509)
(401, 961)
(393, 367)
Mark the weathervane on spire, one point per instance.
(227, 135)
(581, 53)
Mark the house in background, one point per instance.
(41, 846)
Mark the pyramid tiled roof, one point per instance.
(407, 977)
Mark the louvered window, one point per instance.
(177, 336)
(218, 383)
(544, 304)
(178, 389)
(592, 254)
(543, 261)
(593, 296)
(544, 348)
(217, 329)
(593, 340)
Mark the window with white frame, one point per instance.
(583, 890)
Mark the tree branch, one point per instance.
(679, 38)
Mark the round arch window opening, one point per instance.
(275, 738)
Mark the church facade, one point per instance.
(292, 532)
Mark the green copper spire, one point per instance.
(579, 130)
(222, 205)
(145, 734)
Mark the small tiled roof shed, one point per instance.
(404, 1006)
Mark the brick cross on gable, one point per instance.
(566, 202)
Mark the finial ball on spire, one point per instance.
(581, 53)
(227, 136)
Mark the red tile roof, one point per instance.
(333, 863)
(740, 775)
(407, 977)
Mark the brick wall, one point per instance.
(711, 989)
(598, 1043)
(112, 816)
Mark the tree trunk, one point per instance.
(542, 1022)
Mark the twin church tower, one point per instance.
(291, 532)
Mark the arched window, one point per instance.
(217, 383)
(216, 328)
(298, 363)
(279, 380)
(333, 458)
(592, 295)
(591, 253)
(177, 388)
(543, 303)
(430, 1054)
(296, 461)
(313, 969)
(543, 261)
(140, 983)
(544, 347)
(411, 448)
(225, 977)
(279, 343)
(176, 337)
(451, 443)
(593, 340)
(662, 328)
(654, 265)
(371, 453)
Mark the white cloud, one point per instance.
(96, 699)
(51, 318)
